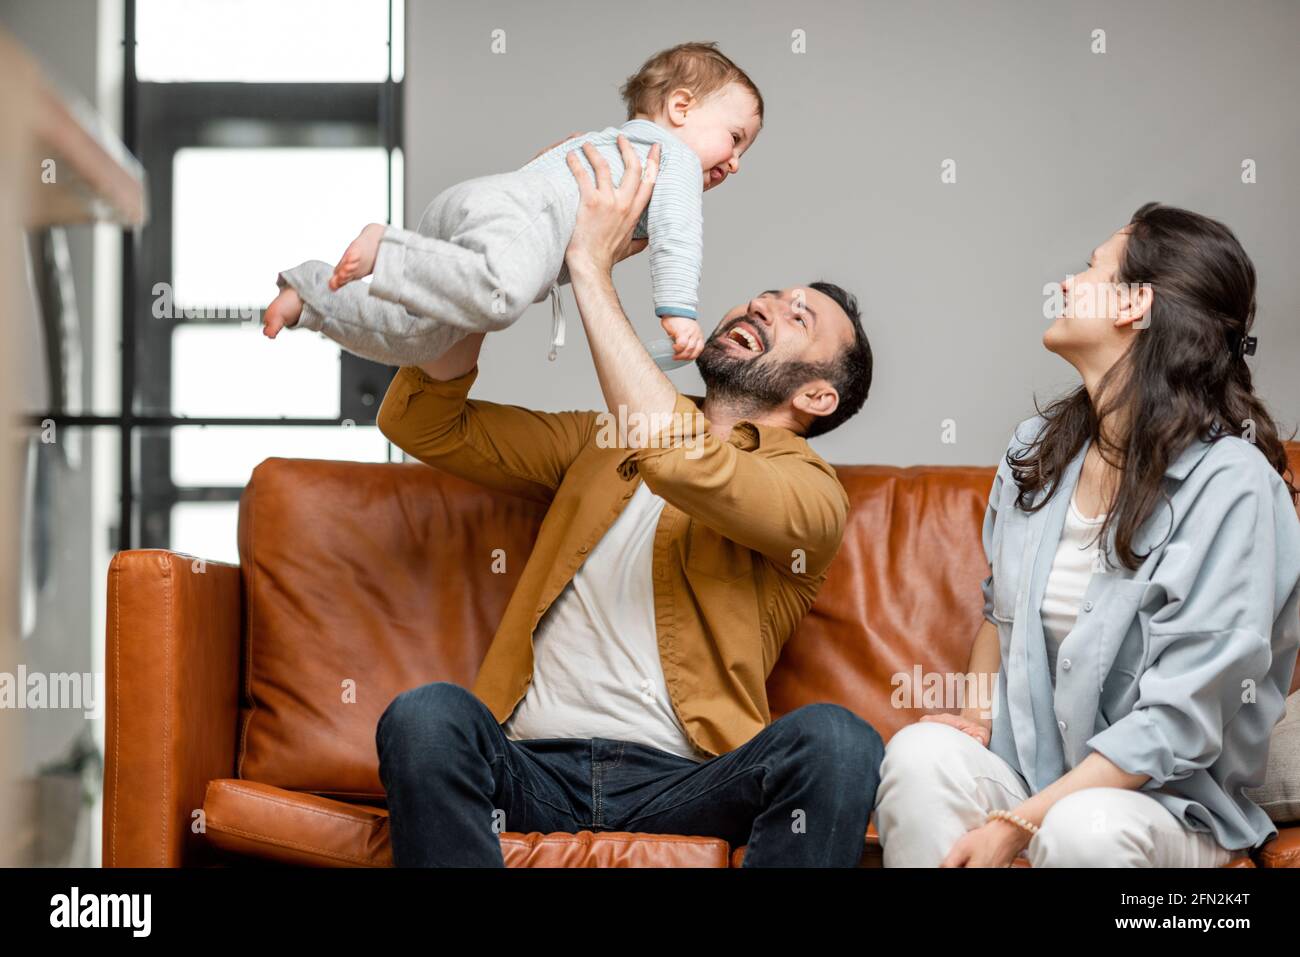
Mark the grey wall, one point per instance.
(65, 556)
(1055, 148)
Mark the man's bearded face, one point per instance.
(738, 367)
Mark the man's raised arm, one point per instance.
(427, 413)
(787, 508)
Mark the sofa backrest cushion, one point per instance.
(902, 596)
(363, 580)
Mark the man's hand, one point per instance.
(634, 246)
(631, 382)
(607, 216)
(547, 149)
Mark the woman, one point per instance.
(1143, 611)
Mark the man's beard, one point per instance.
(757, 384)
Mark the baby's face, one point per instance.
(719, 130)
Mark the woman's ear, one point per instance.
(817, 398)
(1135, 305)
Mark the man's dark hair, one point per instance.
(850, 372)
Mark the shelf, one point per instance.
(92, 178)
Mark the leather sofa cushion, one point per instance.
(250, 819)
(902, 595)
(360, 581)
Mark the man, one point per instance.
(625, 687)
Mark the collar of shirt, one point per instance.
(745, 434)
(749, 435)
(1179, 467)
(1182, 464)
(650, 130)
(1048, 523)
(687, 420)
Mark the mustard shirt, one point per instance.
(747, 532)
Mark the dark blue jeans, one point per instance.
(798, 793)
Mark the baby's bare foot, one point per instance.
(359, 258)
(283, 311)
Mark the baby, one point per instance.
(487, 248)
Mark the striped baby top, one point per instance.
(674, 219)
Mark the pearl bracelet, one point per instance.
(1015, 819)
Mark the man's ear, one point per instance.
(1135, 305)
(817, 398)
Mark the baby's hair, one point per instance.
(699, 67)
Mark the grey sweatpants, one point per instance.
(483, 252)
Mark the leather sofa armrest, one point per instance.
(172, 679)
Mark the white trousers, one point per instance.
(937, 783)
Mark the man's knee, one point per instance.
(835, 739)
(425, 714)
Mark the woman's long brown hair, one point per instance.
(1180, 380)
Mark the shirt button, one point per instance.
(1065, 663)
(1087, 606)
(1061, 725)
(582, 549)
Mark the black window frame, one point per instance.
(160, 118)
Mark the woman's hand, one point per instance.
(994, 844)
(981, 729)
(607, 216)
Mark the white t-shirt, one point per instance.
(1076, 559)
(596, 667)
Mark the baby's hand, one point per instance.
(359, 258)
(687, 336)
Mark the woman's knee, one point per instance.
(918, 751)
(1086, 828)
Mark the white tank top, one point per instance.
(1076, 559)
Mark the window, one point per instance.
(247, 116)
(255, 41)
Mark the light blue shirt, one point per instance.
(673, 222)
(1178, 670)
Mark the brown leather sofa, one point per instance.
(243, 698)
